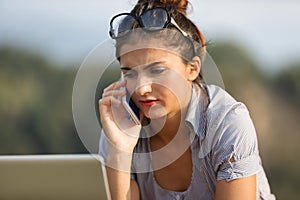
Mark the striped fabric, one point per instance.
(223, 144)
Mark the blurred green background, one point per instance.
(36, 100)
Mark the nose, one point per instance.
(143, 86)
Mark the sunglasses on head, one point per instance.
(154, 19)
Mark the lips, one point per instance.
(148, 102)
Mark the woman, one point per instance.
(195, 141)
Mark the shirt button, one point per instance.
(177, 197)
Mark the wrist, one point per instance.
(119, 160)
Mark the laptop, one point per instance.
(53, 177)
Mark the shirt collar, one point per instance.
(196, 113)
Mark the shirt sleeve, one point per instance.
(235, 155)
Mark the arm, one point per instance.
(242, 188)
(236, 159)
(121, 137)
(120, 183)
(121, 186)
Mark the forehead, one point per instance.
(144, 56)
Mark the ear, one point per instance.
(193, 69)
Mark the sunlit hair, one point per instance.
(169, 38)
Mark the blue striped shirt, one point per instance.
(219, 132)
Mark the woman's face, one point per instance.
(159, 81)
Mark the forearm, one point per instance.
(118, 174)
(119, 184)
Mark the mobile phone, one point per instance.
(130, 107)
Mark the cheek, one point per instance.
(169, 96)
(177, 86)
(130, 86)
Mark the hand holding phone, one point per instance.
(131, 114)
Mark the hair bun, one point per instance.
(181, 5)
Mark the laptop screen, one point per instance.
(53, 177)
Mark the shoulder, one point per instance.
(231, 137)
(227, 116)
(223, 108)
(220, 109)
(220, 99)
(230, 127)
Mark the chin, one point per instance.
(156, 113)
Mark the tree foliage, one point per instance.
(35, 105)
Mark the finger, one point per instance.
(116, 93)
(109, 101)
(115, 85)
(114, 105)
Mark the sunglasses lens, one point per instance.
(154, 19)
(121, 25)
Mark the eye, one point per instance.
(158, 70)
(130, 74)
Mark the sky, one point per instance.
(67, 30)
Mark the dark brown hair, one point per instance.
(186, 47)
(180, 16)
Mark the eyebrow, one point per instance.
(144, 66)
(125, 68)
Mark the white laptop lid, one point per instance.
(57, 177)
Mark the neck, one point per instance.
(166, 129)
